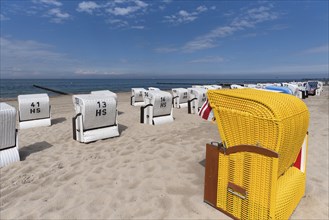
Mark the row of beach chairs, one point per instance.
(96, 113)
(258, 171)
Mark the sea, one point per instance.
(11, 88)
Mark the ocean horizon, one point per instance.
(11, 88)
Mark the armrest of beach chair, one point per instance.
(142, 116)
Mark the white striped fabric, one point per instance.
(9, 156)
(7, 125)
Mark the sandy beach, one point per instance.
(149, 172)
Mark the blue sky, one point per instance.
(163, 38)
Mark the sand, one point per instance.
(149, 172)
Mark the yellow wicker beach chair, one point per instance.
(251, 174)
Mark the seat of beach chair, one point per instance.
(262, 134)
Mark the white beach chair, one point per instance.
(157, 109)
(8, 135)
(154, 89)
(137, 96)
(235, 86)
(196, 98)
(211, 87)
(180, 97)
(197, 86)
(319, 89)
(34, 110)
(96, 117)
(106, 92)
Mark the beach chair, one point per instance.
(280, 89)
(196, 98)
(106, 92)
(312, 87)
(256, 172)
(153, 89)
(157, 109)
(137, 96)
(34, 111)
(319, 88)
(211, 87)
(235, 86)
(8, 135)
(180, 97)
(96, 117)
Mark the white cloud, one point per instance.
(320, 49)
(20, 57)
(134, 6)
(48, 2)
(57, 15)
(248, 19)
(118, 23)
(139, 27)
(94, 72)
(88, 7)
(165, 49)
(3, 17)
(183, 17)
(212, 59)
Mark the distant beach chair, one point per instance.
(96, 117)
(196, 98)
(8, 135)
(106, 92)
(34, 110)
(281, 89)
(153, 89)
(250, 174)
(180, 97)
(312, 87)
(235, 86)
(137, 96)
(210, 87)
(319, 88)
(157, 109)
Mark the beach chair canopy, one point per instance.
(280, 89)
(33, 106)
(274, 121)
(97, 110)
(105, 92)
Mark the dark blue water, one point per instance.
(11, 88)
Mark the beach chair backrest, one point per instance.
(7, 126)
(161, 101)
(138, 93)
(105, 92)
(33, 106)
(199, 94)
(182, 94)
(275, 121)
(97, 110)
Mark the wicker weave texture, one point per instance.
(243, 170)
(275, 121)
